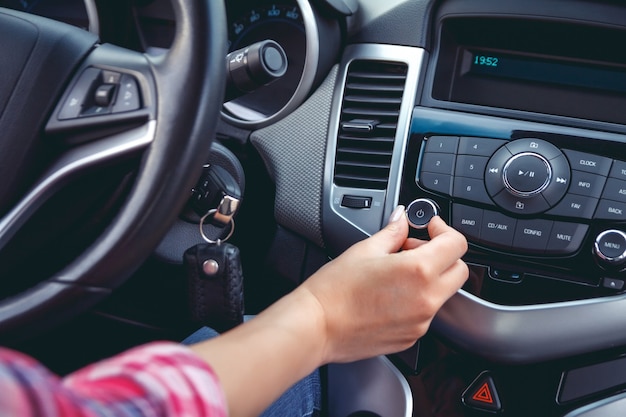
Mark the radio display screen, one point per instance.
(541, 70)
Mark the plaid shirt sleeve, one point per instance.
(160, 379)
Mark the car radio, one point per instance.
(550, 203)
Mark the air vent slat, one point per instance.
(360, 152)
(370, 112)
(374, 100)
(379, 76)
(371, 108)
(390, 89)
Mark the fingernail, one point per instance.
(397, 214)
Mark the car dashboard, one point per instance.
(505, 118)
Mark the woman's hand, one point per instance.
(376, 298)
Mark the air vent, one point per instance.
(368, 123)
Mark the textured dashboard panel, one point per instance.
(294, 150)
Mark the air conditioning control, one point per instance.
(610, 247)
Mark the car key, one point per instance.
(214, 273)
(215, 285)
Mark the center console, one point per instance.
(542, 206)
(515, 134)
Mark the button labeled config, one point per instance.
(420, 212)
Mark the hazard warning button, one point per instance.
(482, 394)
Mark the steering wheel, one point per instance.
(58, 78)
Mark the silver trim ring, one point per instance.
(517, 192)
(596, 247)
(311, 61)
(209, 240)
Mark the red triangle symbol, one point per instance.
(483, 394)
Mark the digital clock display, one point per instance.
(486, 60)
(545, 70)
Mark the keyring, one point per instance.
(218, 241)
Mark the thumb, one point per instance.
(391, 238)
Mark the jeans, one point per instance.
(303, 399)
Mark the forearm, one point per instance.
(259, 360)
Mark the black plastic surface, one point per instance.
(583, 382)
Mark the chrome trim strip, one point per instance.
(373, 385)
(535, 333)
(608, 407)
(308, 73)
(367, 222)
(92, 15)
(71, 163)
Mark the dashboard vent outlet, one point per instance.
(368, 123)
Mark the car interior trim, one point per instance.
(92, 15)
(312, 53)
(526, 334)
(373, 385)
(70, 164)
(608, 407)
(345, 225)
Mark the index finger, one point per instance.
(445, 247)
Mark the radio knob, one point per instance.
(420, 212)
(610, 247)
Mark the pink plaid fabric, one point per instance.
(155, 380)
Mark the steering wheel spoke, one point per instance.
(82, 104)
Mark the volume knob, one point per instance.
(610, 247)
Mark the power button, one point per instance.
(420, 212)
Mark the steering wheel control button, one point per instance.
(479, 146)
(527, 174)
(470, 166)
(104, 95)
(468, 221)
(497, 230)
(128, 98)
(471, 189)
(356, 202)
(441, 183)
(594, 164)
(531, 236)
(442, 144)
(420, 212)
(482, 394)
(566, 238)
(439, 163)
(610, 247)
(73, 105)
(111, 77)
